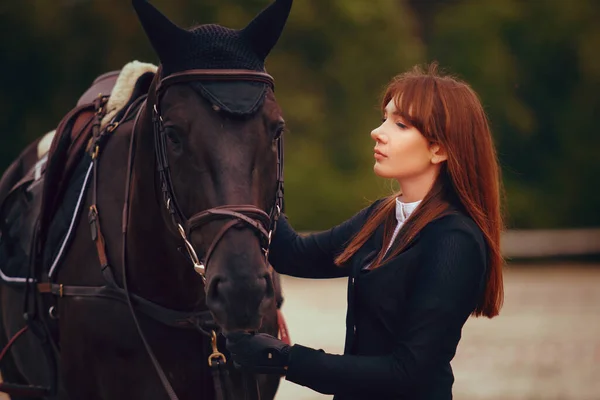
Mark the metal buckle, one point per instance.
(199, 267)
(112, 126)
(159, 117)
(215, 351)
(52, 312)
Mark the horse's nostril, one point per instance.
(213, 288)
(245, 294)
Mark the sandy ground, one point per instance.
(544, 345)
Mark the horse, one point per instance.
(183, 186)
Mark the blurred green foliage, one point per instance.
(535, 65)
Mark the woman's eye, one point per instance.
(401, 125)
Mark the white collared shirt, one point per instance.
(403, 211)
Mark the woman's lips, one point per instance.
(379, 155)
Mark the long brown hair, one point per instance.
(449, 113)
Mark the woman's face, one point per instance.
(401, 151)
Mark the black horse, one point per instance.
(184, 187)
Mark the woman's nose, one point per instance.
(377, 135)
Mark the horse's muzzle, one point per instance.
(239, 304)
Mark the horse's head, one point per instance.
(218, 144)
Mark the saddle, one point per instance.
(38, 187)
(99, 105)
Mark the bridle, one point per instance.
(262, 223)
(258, 220)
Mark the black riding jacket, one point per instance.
(404, 318)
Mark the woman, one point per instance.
(419, 262)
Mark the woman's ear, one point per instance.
(438, 153)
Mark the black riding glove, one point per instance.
(258, 353)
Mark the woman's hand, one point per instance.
(259, 353)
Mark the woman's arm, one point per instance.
(447, 287)
(312, 256)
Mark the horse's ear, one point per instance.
(161, 32)
(264, 30)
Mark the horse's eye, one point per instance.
(279, 132)
(172, 136)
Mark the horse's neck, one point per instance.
(157, 270)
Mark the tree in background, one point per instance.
(533, 63)
(330, 66)
(536, 66)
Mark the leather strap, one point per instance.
(214, 75)
(237, 218)
(128, 183)
(93, 217)
(99, 138)
(221, 380)
(218, 238)
(24, 390)
(12, 341)
(166, 316)
(249, 214)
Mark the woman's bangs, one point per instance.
(413, 98)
